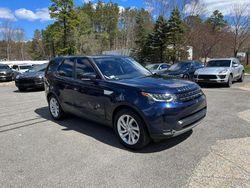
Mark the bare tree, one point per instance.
(19, 35)
(158, 7)
(194, 8)
(7, 34)
(240, 26)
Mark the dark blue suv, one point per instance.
(119, 92)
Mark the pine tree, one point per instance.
(175, 36)
(159, 41)
(142, 29)
(216, 20)
(65, 15)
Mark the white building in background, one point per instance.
(11, 63)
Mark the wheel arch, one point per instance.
(132, 108)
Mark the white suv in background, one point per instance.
(223, 71)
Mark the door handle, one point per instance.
(75, 89)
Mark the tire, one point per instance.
(136, 132)
(55, 108)
(242, 77)
(186, 77)
(21, 89)
(230, 81)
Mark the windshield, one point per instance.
(25, 67)
(4, 67)
(179, 66)
(38, 68)
(117, 68)
(152, 67)
(219, 63)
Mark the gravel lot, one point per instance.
(38, 152)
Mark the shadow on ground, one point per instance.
(106, 134)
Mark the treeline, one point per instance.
(165, 37)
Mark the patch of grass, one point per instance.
(247, 69)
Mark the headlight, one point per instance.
(160, 97)
(223, 71)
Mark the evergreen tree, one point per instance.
(143, 27)
(216, 20)
(175, 36)
(65, 15)
(159, 41)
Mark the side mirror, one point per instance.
(235, 65)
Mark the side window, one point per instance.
(66, 68)
(83, 68)
(164, 66)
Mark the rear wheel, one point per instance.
(55, 108)
(242, 77)
(130, 129)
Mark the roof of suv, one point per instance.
(230, 59)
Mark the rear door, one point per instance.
(88, 94)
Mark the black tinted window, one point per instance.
(83, 68)
(219, 63)
(66, 68)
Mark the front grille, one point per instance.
(26, 81)
(190, 95)
(207, 77)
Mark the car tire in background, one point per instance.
(230, 81)
(21, 89)
(242, 77)
(55, 108)
(131, 129)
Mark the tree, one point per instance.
(159, 41)
(37, 47)
(19, 33)
(216, 20)
(8, 36)
(65, 15)
(175, 35)
(240, 21)
(143, 27)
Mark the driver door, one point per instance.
(236, 69)
(88, 93)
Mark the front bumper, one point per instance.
(29, 83)
(6, 78)
(217, 78)
(169, 120)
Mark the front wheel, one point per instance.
(55, 108)
(230, 81)
(242, 77)
(130, 129)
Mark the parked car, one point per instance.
(157, 68)
(19, 69)
(183, 69)
(6, 74)
(119, 92)
(221, 71)
(31, 79)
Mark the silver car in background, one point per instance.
(222, 71)
(158, 68)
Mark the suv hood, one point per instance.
(211, 70)
(157, 84)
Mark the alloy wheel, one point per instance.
(54, 107)
(128, 129)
